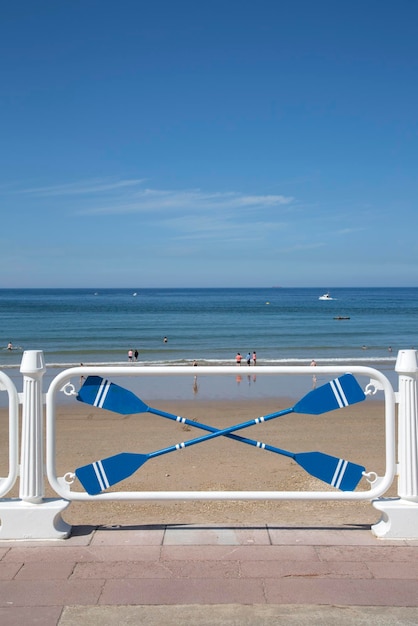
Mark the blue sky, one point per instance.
(186, 143)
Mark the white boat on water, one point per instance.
(325, 296)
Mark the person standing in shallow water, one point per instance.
(248, 359)
(82, 379)
(254, 358)
(313, 364)
(238, 358)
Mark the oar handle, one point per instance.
(212, 429)
(272, 416)
(266, 446)
(220, 433)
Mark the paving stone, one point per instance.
(39, 571)
(367, 553)
(74, 540)
(284, 569)
(9, 570)
(84, 554)
(385, 569)
(26, 616)
(238, 615)
(186, 591)
(161, 569)
(216, 536)
(327, 537)
(342, 592)
(241, 553)
(118, 537)
(37, 593)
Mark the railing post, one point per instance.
(406, 366)
(32, 457)
(33, 516)
(400, 515)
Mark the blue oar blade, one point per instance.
(338, 473)
(104, 394)
(338, 393)
(101, 475)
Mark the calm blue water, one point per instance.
(284, 326)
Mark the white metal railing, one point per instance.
(63, 485)
(32, 516)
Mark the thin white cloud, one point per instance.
(123, 197)
(204, 226)
(183, 215)
(82, 188)
(186, 200)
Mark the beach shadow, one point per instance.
(84, 530)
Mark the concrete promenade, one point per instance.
(201, 575)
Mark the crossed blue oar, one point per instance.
(338, 393)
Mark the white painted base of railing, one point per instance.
(27, 521)
(399, 519)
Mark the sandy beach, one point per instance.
(85, 434)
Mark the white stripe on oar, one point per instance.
(99, 393)
(102, 393)
(101, 475)
(342, 392)
(339, 473)
(339, 393)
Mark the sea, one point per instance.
(285, 326)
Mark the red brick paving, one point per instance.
(204, 565)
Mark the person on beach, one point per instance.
(254, 358)
(136, 355)
(195, 385)
(248, 359)
(130, 355)
(82, 379)
(238, 358)
(313, 364)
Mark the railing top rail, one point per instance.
(134, 369)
